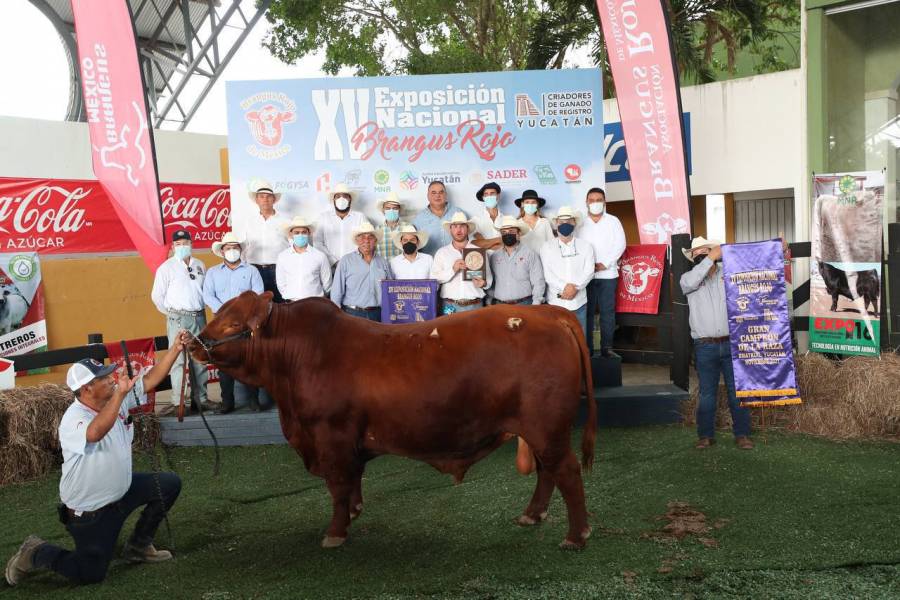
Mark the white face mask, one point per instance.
(233, 255)
(595, 208)
(341, 204)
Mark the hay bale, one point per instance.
(854, 398)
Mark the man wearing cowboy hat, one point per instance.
(704, 288)
(390, 206)
(568, 266)
(604, 232)
(302, 271)
(178, 294)
(262, 233)
(223, 282)
(98, 489)
(457, 294)
(357, 280)
(518, 273)
(333, 234)
(485, 231)
(431, 218)
(539, 230)
(411, 263)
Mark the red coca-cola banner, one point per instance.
(117, 116)
(70, 216)
(640, 58)
(641, 271)
(142, 356)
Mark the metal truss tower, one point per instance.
(184, 46)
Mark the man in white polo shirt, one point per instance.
(98, 489)
(261, 233)
(334, 230)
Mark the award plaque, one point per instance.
(475, 259)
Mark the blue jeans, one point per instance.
(455, 308)
(372, 314)
(194, 324)
(95, 535)
(268, 277)
(235, 392)
(713, 359)
(581, 315)
(601, 293)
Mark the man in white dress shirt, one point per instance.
(568, 266)
(457, 294)
(262, 233)
(302, 270)
(411, 263)
(178, 294)
(333, 234)
(604, 232)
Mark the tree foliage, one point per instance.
(388, 37)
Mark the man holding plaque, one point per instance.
(518, 274)
(704, 287)
(411, 263)
(461, 268)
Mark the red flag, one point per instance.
(142, 355)
(640, 58)
(641, 271)
(116, 106)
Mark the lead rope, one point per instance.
(196, 400)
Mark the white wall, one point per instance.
(61, 150)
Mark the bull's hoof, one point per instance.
(356, 511)
(528, 521)
(568, 544)
(330, 541)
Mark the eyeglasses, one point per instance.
(563, 249)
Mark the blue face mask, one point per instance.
(391, 214)
(182, 252)
(301, 240)
(565, 229)
(530, 209)
(490, 201)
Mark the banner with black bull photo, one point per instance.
(845, 268)
(23, 327)
(759, 324)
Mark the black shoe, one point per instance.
(607, 353)
(224, 410)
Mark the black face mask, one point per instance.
(509, 239)
(565, 229)
(410, 247)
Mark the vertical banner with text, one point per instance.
(23, 326)
(116, 106)
(643, 69)
(759, 324)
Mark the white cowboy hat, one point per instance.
(298, 222)
(407, 230)
(365, 227)
(341, 188)
(698, 242)
(228, 238)
(567, 212)
(261, 185)
(508, 221)
(459, 218)
(389, 197)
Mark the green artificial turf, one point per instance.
(797, 517)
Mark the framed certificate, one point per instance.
(475, 259)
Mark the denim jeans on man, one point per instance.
(372, 314)
(95, 534)
(601, 293)
(712, 360)
(236, 394)
(193, 324)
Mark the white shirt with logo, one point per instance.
(99, 473)
(173, 287)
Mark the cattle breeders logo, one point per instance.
(267, 113)
(22, 267)
(636, 275)
(557, 109)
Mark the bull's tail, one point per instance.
(589, 435)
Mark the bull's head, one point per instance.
(226, 340)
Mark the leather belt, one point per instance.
(467, 302)
(264, 266)
(89, 513)
(713, 340)
(366, 308)
(518, 301)
(185, 313)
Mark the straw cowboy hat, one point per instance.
(228, 238)
(341, 188)
(405, 229)
(566, 212)
(488, 186)
(530, 195)
(261, 185)
(508, 221)
(698, 242)
(389, 197)
(298, 222)
(459, 218)
(365, 227)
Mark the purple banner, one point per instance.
(759, 324)
(408, 300)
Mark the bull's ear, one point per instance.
(262, 308)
